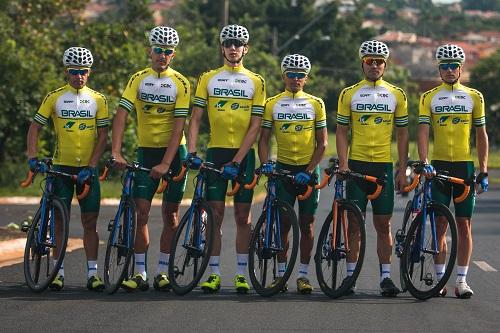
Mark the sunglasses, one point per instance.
(235, 42)
(371, 61)
(160, 50)
(78, 71)
(295, 75)
(450, 65)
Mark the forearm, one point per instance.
(174, 142)
(119, 124)
(482, 147)
(319, 150)
(264, 145)
(402, 141)
(194, 128)
(100, 146)
(342, 145)
(249, 139)
(423, 142)
(32, 140)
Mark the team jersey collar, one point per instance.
(453, 86)
(165, 73)
(74, 90)
(238, 68)
(379, 82)
(290, 94)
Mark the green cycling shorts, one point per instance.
(357, 190)
(64, 188)
(288, 191)
(145, 186)
(216, 187)
(443, 192)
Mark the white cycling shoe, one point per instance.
(462, 290)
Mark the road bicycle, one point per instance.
(275, 238)
(428, 236)
(47, 237)
(342, 237)
(118, 262)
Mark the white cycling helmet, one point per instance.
(373, 48)
(450, 52)
(163, 36)
(295, 62)
(77, 56)
(234, 31)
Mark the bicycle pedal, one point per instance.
(400, 236)
(110, 225)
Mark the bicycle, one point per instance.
(192, 244)
(268, 245)
(48, 231)
(420, 248)
(342, 234)
(120, 245)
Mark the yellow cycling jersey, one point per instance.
(295, 118)
(372, 109)
(76, 115)
(232, 95)
(451, 110)
(157, 98)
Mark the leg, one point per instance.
(142, 234)
(170, 216)
(382, 225)
(218, 208)
(90, 236)
(306, 223)
(243, 226)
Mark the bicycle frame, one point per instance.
(126, 193)
(271, 197)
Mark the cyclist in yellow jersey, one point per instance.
(371, 108)
(234, 98)
(452, 109)
(81, 120)
(159, 96)
(299, 122)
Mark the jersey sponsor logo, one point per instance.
(85, 101)
(230, 92)
(69, 124)
(455, 120)
(372, 107)
(147, 108)
(161, 110)
(378, 120)
(82, 127)
(364, 95)
(284, 127)
(222, 80)
(301, 105)
(149, 84)
(240, 81)
(442, 98)
(298, 128)
(156, 98)
(67, 101)
(284, 105)
(294, 116)
(235, 106)
(460, 97)
(220, 103)
(442, 120)
(382, 95)
(165, 85)
(450, 108)
(364, 119)
(76, 113)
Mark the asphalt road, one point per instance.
(76, 309)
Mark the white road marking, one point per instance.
(485, 266)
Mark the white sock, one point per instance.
(163, 263)
(91, 268)
(303, 270)
(351, 266)
(61, 269)
(281, 269)
(440, 268)
(214, 265)
(140, 264)
(385, 271)
(462, 273)
(241, 264)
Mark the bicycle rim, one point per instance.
(419, 272)
(40, 268)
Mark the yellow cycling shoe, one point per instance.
(135, 283)
(212, 285)
(241, 284)
(58, 283)
(95, 283)
(162, 282)
(276, 281)
(304, 287)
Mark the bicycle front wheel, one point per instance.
(341, 240)
(191, 248)
(264, 260)
(120, 246)
(423, 254)
(400, 242)
(46, 245)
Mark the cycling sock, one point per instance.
(303, 270)
(351, 266)
(462, 273)
(91, 268)
(140, 264)
(440, 268)
(241, 264)
(61, 269)
(163, 263)
(281, 269)
(385, 271)
(214, 265)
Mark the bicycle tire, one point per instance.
(37, 257)
(404, 227)
(118, 253)
(415, 266)
(182, 258)
(331, 268)
(261, 263)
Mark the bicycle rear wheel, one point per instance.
(120, 247)
(330, 259)
(40, 269)
(263, 261)
(418, 259)
(191, 248)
